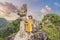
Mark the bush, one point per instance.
(1, 39)
(52, 32)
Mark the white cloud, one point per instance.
(12, 16)
(5, 15)
(18, 3)
(44, 11)
(5, 12)
(57, 4)
(48, 8)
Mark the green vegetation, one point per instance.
(53, 18)
(1, 39)
(50, 26)
(10, 28)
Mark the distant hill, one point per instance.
(3, 22)
(10, 28)
(51, 25)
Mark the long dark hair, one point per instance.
(30, 16)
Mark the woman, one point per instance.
(29, 25)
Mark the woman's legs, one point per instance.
(29, 34)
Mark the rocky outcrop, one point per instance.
(11, 37)
(38, 34)
(58, 27)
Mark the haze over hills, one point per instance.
(3, 22)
